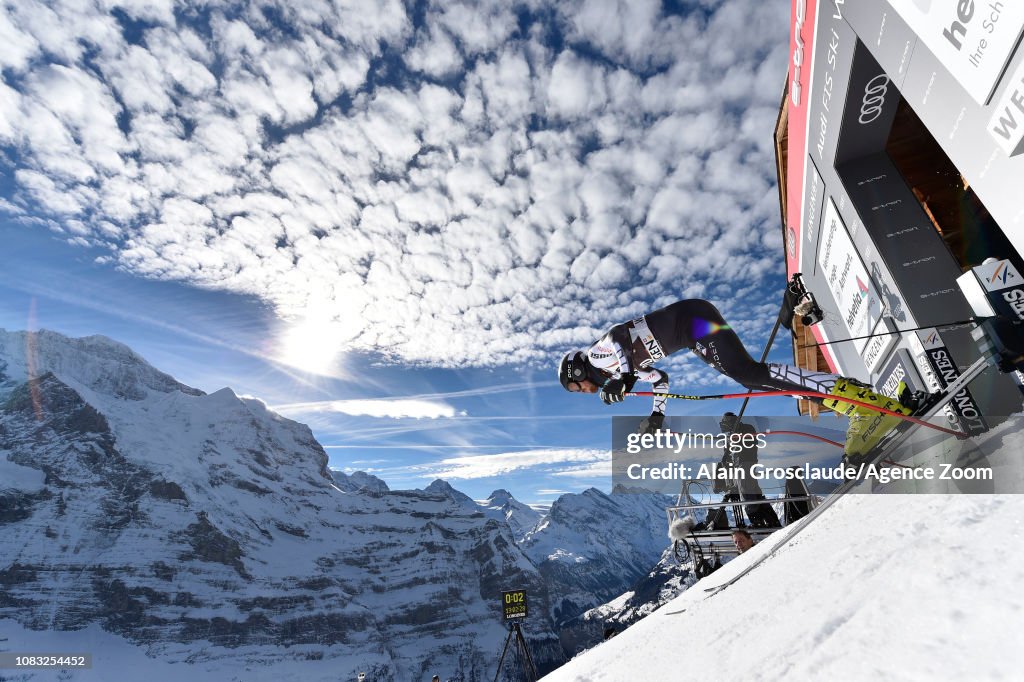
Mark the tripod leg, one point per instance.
(526, 653)
(504, 651)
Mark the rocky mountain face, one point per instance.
(206, 528)
(592, 546)
(663, 583)
(521, 518)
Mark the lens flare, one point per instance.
(701, 328)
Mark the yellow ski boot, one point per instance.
(867, 426)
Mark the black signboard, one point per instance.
(513, 605)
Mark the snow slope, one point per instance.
(908, 587)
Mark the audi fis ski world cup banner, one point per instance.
(973, 39)
(513, 605)
(801, 51)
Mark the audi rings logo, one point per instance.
(874, 99)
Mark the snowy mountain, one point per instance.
(205, 528)
(443, 489)
(521, 518)
(208, 529)
(667, 580)
(367, 483)
(592, 547)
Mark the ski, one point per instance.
(896, 438)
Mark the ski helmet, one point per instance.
(573, 368)
(729, 422)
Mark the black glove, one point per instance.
(613, 391)
(652, 423)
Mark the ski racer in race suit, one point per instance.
(627, 352)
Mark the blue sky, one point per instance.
(329, 205)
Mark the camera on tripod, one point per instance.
(801, 303)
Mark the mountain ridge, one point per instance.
(157, 511)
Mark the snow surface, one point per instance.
(115, 659)
(907, 587)
(16, 477)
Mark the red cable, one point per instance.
(803, 394)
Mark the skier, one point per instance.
(627, 352)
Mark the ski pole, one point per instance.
(764, 356)
(801, 394)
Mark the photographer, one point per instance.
(746, 488)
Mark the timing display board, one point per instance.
(513, 605)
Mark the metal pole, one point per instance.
(764, 356)
(526, 652)
(972, 320)
(504, 650)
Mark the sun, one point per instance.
(313, 345)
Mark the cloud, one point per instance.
(390, 408)
(474, 184)
(551, 461)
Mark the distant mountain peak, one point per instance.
(444, 489)
(96, 363)
(368, 482)
(500, 495)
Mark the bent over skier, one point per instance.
(627, 352)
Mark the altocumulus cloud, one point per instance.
(445, 183)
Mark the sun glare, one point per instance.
(312, 345)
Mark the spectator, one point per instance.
(742, 540)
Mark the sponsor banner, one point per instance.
(836, 43)
(870, 109)
(973, 39)
(930, 378)
(913, 251)
(801, 50)
(859, 304)
(998, 275)
(899, 368)
(814, 192)
(936, 362)
(1004, 287)
(1007, 123)
(878, 345)
(887, 36)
